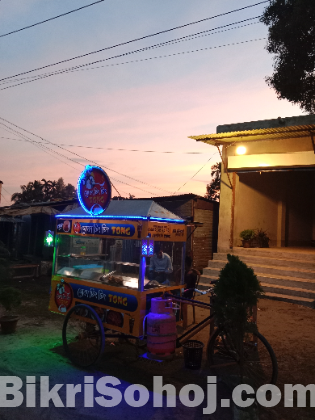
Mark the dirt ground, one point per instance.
(36, 349)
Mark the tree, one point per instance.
(213, 189)
(33, 191)
(119, 197)
(292, 39)
(44, 191)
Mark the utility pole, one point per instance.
(0, 190)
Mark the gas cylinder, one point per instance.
(161, 328)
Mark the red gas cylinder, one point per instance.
(161, 328)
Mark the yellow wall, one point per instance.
(281, 202)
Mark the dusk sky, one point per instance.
(153, 104)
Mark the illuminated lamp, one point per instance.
(94, 190)
(49, 238)
(241, 150)
(147, 247)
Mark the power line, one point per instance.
(5, 190)
(82, 157)
(159, 45)
(136, 39)
(2, 195)
(50, 151)
(195, 173)
(118, 150)
(47, 20)
(140, 60)
(39, 145)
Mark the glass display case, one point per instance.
(117, 262)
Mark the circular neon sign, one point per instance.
(94, 190)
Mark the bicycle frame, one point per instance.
(209, 320)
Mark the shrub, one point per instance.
(247, 234)
(237, 291)
(262, 238)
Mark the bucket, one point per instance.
(8, 324)
(193, 354)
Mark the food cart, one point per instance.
(101, 277)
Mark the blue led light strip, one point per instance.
(81, 216)
(167, 220)
(90, 216)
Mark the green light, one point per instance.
(49, 239)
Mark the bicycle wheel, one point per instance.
(83, 341)
(257, 367)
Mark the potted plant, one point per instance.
(236, 294)
(262, 238)
(247, 236)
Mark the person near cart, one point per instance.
(160, 266)
(190, 280)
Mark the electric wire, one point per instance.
(137, 39)
(159, 45)
(195, 173)
(82, 157)
(47, 20)
(117, 150)
(140, 60)
(3, 196)
(39, 145)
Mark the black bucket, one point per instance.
(193, 354)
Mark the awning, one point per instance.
(279, 133)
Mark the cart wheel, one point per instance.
(83, 341)
(258, 365)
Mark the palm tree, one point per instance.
(44, 191)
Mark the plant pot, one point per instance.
(8, 324)
(247, 244)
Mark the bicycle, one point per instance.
(251, 360)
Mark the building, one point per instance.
(202, 239)
(271, 184)
(268, 182)
(23, 227)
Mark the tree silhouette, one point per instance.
(39, 191)
(213, 188)
(292, 39)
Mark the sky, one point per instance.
(148, 100)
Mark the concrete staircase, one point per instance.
(285, 274)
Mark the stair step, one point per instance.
(286, 253)
(285, 276)
(284, 294)
(287, 281)
(271, 279)
(269, 269)
(294, 291)
(291, 299)
(267, 260)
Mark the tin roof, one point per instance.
(129, 209)
(276, 129)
